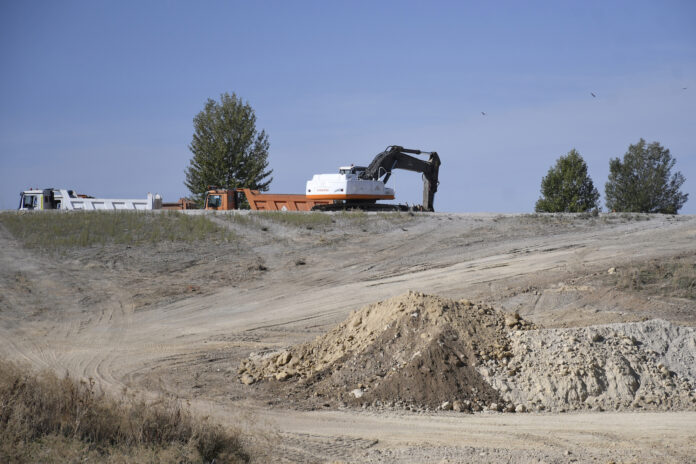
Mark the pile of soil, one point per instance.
(425, 352)
(414, 350)
(648, 365)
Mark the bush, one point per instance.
(38, 407)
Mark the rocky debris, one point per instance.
(357, 393)
(421, 352)
(283, 358)
(647, 365)
(415, 350)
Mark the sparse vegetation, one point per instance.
(311, 220)
(296, 219)
(579, 218)
(44, 418)
(676, 278)
(55, 230)
(543, 218)
(356, 217)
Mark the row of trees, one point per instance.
(640, 182)
(229, 152)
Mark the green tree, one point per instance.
(642, 183)
(227, 150)
(567, 187)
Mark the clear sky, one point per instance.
(99, 96)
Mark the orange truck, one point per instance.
(218, 199)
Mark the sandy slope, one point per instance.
(72, 313)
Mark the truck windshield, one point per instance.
(29, 201)
(214, 201)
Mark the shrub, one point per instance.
(36, 406)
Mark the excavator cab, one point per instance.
(357, 170)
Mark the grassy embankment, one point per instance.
(44, 418)
(59, 230)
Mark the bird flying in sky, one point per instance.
(593, 95)
(483, 113)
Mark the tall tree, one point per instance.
(567, 187)
(642, 182)
(227, 150)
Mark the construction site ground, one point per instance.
(180, 318)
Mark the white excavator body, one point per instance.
(347, 185)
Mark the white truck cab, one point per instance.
(35, 199)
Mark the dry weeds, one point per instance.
(675, 278)
(50, 419)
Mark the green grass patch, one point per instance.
(59, 229)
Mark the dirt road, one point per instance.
(82, 311)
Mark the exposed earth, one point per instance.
(388, 337)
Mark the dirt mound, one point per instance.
(412, 350)
(421, 351)
(647, 365)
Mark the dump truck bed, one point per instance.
(280, 201)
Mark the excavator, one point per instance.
(361, 187)
(354, 187)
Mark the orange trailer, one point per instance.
(280, 201)
(183, 203)
(224, 199)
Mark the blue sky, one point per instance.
(99, 96)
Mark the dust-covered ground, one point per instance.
(598, 363)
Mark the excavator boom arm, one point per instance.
(396, 157)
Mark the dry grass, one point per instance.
(296, 219)
(44, 418)
(676, 277)
(591, 216)
(61, 230)
(314, 219)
